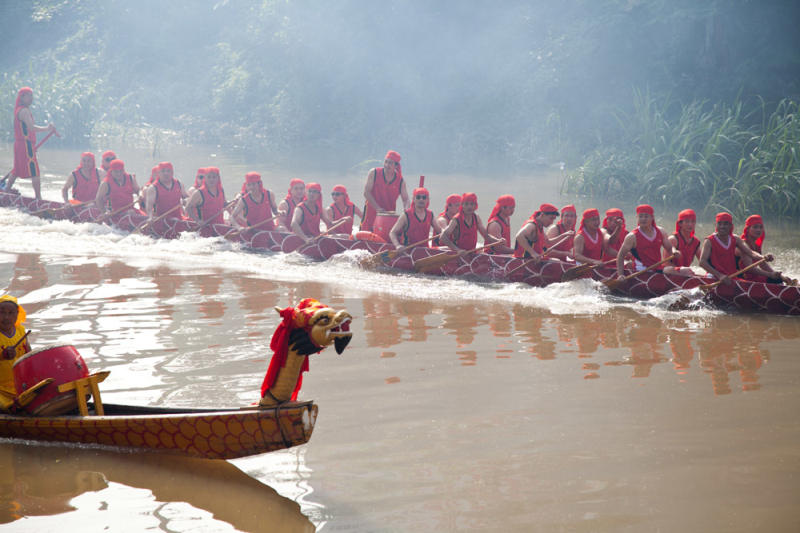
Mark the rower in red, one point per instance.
(256, 205)
(531, 239)
(342, 207)
(295, 196)
(25, 163)
(306, 217)
(614, 232)
(718, 254)
(451, 208)
(83, 181)
(753, 236)
(685, 242)
(645, 243)
(108, 157)
(461, 233)
(563, 250)
(207, 204)
(589, 244)
(116, 192)
(165, 193)
(416, 223)
(499, 225)
(382, 188)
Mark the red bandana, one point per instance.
(394, 156)
(468, 197)
(252, 177)
(342, 189)
(614, 213)
(503, 201)
(292, 183)
(686, 214)
(752, 220)
(89, 169)
(589, 213)
(316, 187)
(452, 199)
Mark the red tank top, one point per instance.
(167, 199)
(617, 245)
(120, 195)
(85, 189)
(349, 211)
(417, 230)
(465, 237)
(687, 250)
(749, 275)
(647, 251)
(592, 247)
(310, 222)
(21, 132)
(505, 232)
(385, 194)
(537, 245)
(723, 258)
(255, 212)
(565, 246)
(210, 206)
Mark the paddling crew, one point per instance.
(117, 191)
(297, 192)
(165, 194)
(256, 205)
(206, 205)
(461, 233)
(499, 225)
(589, 244)
(685, 242)
(753, 236)
(25, 163)
(12, 315)
(108, 157)
(342, 207)
(563, 251)
(718, 254)
(645, 243)
(305, 221)
(531, 239)
(382, 188)
(83, 181)
(416, 223)
(614, 232)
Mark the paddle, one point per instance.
(613, 284)
(684, 301)
(439, 260)
(102, 218)
(237, 233)
(198, 228)
(706, 288)
(381, 258)
(3, 181)
(526, 263)
(149, 224)
(578, 271)
(321, 235)
(54, 210)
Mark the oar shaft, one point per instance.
(737, 273)
(47, 137)
(239, 232)
(321, 235)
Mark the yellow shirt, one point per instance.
(7, 365)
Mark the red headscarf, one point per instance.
(18, 103)
(252, 177)
(153, 175)
(568, 209)
(292, 183)
(503, 201)
(86, 154)
(752, 220)
(316, 187)
(644, 208)
(544, 208)
(452, 199)
(342, 189)
(212, 170)
(725, 217)
(614, 213)
(394, 156)
(200, 172)
(686, 214)
(589, 213)
(422, 190)
(109, 153)
(468, 197)
(114, 165)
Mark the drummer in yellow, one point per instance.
(12, 315)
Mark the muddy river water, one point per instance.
(459, 405)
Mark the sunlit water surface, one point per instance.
(457, 406)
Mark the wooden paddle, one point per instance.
(149, 224)
(237, 233)
(198, 228)
(526, 263)
(384, 257)
(54, 210)
(321, 235)
(706, 288)
(439, 260)
(613, 284)
(102, 218)
(578, 271)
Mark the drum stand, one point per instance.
(79, 386)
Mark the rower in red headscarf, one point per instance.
(685, 242)
(25, 163)
(718, 254)
(117, 191)
(306, 217)
(532, 239)
(461, 234)
(165, 194)
(563, 251)
(589, 243)
(499, 224)
(753, 236)
(451, 207)
(206, 205)
(382, 188)
(83, 181)
(342, 207)
(108, 157)
(416, 223)
(614, 232)
(645, 243)
(294, 197)
(255, 206)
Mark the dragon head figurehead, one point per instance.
(306, 329)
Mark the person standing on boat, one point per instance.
(461, 233)
(83, 181)
(256, 205)
(108, 157)
(382, 188)
(25, 163)
(342, 207)
(117, 190)
(165, 193)
(295, 196)
(685, 242)
(12, 315)
(753, 236)
(645, 243)
(531, 239)
(563, 251)
(499, 224)
(589, 245)
(306, 217)
(718, 254)
(614, 232)
(207, 204)
(416, 223)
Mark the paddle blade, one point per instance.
(377, 260)
(575, 272)
(435, 261)
(612, 284)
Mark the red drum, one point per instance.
(384, 222)
(366, 236)
(61, 362)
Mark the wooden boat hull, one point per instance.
(205, 433)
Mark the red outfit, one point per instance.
(255, 212)
(416, 229)
(648, 250)
(537, 245)
(565, 245)
(349, 211)
(592, 246)
(85, 188)
(465, 236)
(167, 199)
(119, 195)
(310, 220)
(211, 205)
(385, 193)
(722, 257)
(25, 163)
(687, 250)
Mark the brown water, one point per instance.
(458, 405)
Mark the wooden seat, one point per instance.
(79, 386)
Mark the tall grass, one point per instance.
(714, 157)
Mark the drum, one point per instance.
(384, 222)
(61, 362)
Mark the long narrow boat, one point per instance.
(751, 296)
(206, 433)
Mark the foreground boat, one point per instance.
(205, 433)
(750, 296)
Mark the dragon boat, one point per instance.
(746, 295)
